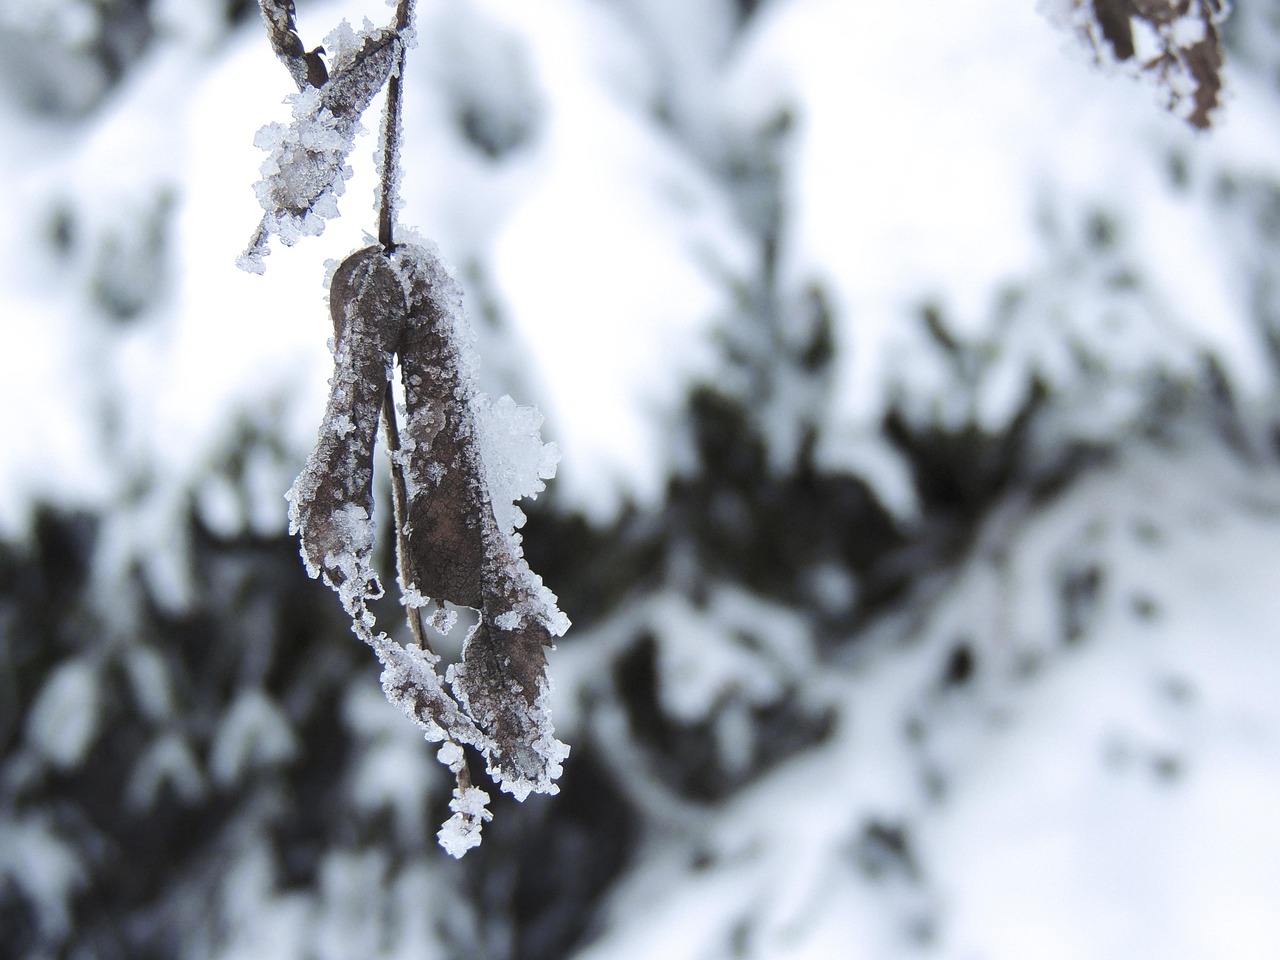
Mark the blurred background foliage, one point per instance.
(918, 516)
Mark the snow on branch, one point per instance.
(1175, 42)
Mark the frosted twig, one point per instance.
(307, 69)
(391, 139)
(399, 512)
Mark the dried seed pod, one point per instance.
(458, 551)
(448, 506)
(457, 471)
(331, 502)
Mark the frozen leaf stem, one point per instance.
(457, 464)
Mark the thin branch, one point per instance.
(399, 511)
(391, 131)
(386, 237)
(282, 28)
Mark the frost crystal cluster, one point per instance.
(306, 170)
(458, 466)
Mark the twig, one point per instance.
(391, 136)
(386, 237)
(399, 508)
(282, 28)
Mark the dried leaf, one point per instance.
(1175, 42)
(457, 550)
(405, 302)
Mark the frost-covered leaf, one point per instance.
(1176, 42)
(331, 503)
(458, 551)
(464, 461)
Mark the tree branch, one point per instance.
(391, 130)
(399, 513)
(282, 28)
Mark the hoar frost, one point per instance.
(465, 461)
(306, 170)
(457, 469)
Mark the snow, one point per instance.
(517, 462)
(1115, 802)
(625, 201)
(43, 866)
(392, 771)
(150, 682)
(254, 733)
(168, 762)
(304, 173)
(614, 206)
(734, 647)
(895, 201)
(1111, 796)
(64, 720)
(461, 832)
(1143, 805)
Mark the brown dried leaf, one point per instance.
(1187, 59)
(458, 553)
(404, 302)
(333, 495)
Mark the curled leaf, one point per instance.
(458, 552)
(458, 466)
